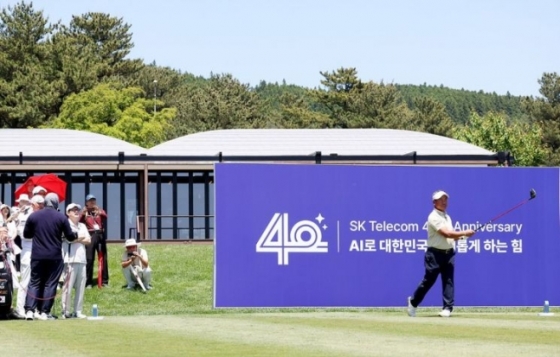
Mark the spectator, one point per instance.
(45, 227)
(75, 259)
(93, 217)
(24, 211)
(137, 259)
(5, 210)
(8, 223)
(6, 273)
(8, 251)
(23, 204)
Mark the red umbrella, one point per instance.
(49, 182)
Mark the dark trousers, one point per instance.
(98, 244)
(436, 262)
(41, 290)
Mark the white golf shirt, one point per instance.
(75, 252)
(436, 221)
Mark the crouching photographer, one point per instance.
(135, 266)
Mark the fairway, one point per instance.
(177, 319)
(290, 334)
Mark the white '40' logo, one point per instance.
(304, 237)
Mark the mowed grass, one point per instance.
(176, 318)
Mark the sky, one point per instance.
(489, 45)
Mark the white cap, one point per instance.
(38, 189)
(439, 194)
(23, 197)
(72, 206)
(38, 199)
(130, 242)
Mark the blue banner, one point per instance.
(355, 236)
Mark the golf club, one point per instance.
(532, 195)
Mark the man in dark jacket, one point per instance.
(46, 228)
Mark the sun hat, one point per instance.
(131, 242)
(23, 197)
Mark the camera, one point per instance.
(131, 255)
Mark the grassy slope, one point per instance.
(182, 281)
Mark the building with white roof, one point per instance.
(167, 191)
(270, 142)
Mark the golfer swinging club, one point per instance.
(439, 257)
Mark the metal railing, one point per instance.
(136, 232)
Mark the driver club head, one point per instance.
(533, 193)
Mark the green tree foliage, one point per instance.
(156, 81)
(42, 63)
(221, 102)
(495, 132)
(119, 112)
(28, 90)
(295, 112)
(277, 95)
(291, 106)
(341, 86)
(347, 102)
(110, 40)
(76, 67)
(431, 117)
(545, 112)
(460, 103)
(351, 103)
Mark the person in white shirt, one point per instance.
(6, 211)
(7, 220)
(75, 260)
(24, 211)
(137, 259)
(439, 257)
(8, 244)
(6, 271)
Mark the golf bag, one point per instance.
(6, 288)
